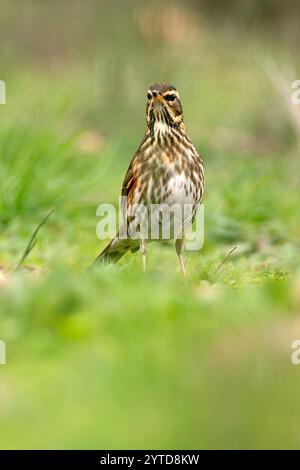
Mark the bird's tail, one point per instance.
(112, 252)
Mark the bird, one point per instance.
(165, 171)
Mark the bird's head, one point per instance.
(164, 107)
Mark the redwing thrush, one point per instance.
(165, 171)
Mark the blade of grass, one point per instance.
(226, 258)
(33, 239)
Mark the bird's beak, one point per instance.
(159, 98)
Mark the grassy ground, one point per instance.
(115, 358)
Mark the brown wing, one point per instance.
(128, 188)
(128, 180)
(133, 181)
(131, 177)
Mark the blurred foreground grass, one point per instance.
(115, 358)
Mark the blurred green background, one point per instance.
(114, 358)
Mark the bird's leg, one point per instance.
(143, 248)
(179, 250)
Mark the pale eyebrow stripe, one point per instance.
(166, 93)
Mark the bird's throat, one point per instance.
(161, 128)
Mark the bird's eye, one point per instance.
(149, 95)
(170, 97)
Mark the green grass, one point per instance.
(115, 358)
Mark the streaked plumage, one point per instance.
(166, 169)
